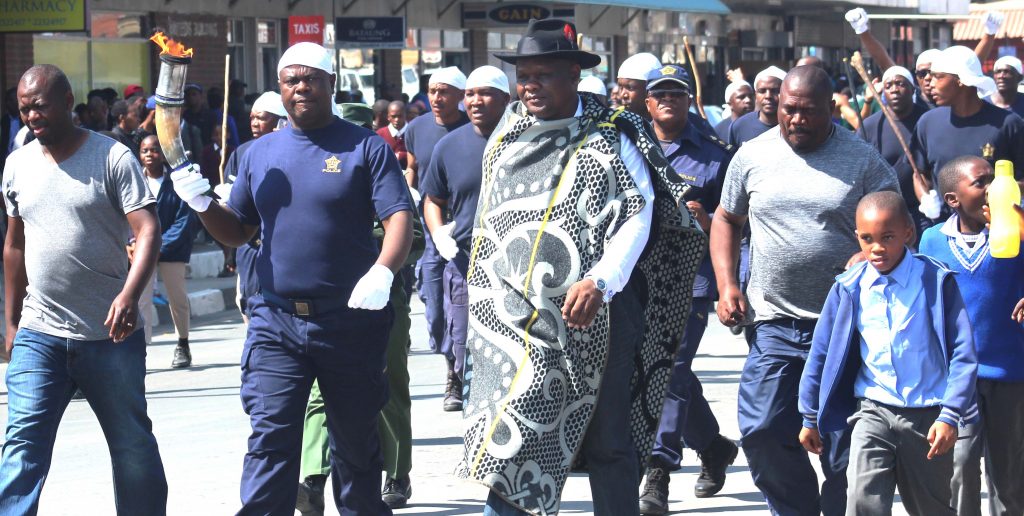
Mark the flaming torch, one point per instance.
(170, 98)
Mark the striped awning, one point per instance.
(974, 28)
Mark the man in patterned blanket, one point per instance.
(580, 277)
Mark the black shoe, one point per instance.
(453, 393)
(182, 357)
(311, 496)
(713, 463)
(396, 493)
(654, 499)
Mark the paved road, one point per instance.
(202, 431)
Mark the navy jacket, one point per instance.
(826, 387)
(177, 222)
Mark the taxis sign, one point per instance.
(43, 16)
(518, 14)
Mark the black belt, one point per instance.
(304, 307)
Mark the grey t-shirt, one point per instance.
(801, 209)
(75, 232)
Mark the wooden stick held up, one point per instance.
(224, 118)
(698, 98)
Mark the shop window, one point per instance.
(69, 54)
(236, 47)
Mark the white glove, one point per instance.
(443, 241)
(223, 191)
(191, 186)
(930, 206)
(858, 19)
(373, 290)
(993, 20)
(416, 197)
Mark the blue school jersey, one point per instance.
(455, 175)
(314, 195)
(421, 137)
(991, 288)
(746, 128)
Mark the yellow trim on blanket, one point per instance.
(526, 294)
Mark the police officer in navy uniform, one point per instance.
(312, 191)
(701, 159)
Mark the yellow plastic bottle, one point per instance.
(1004, 230)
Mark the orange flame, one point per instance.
(169, 46)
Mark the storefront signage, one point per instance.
(512, 14)
(306, 28)
(370, 32)
(43, 16)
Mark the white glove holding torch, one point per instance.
(192, 187)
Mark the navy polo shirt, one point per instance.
(314, 195)
(1016, 107)
(877, 131)
(746, 128)
(421, 137)
(454, 176)
(701, 161)
(992, 133)
(722, 129)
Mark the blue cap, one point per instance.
(674, 73)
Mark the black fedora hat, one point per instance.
(551, 38)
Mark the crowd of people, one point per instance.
(541, 223)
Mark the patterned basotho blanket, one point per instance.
(553, 194)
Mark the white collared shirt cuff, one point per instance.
(623, 250)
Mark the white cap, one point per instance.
(592, 84)
(730, 90)
(962, 62)
(269, 102)
(487, 76)
(771, 71)
(450, 75)
(928, 56)
(307, 54)
(1010, 61)
(638, 66)
(897, 70)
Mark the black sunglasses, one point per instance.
(661, 94)
(922, 73)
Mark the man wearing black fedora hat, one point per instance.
(559, 295)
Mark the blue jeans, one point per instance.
(770, 425)
(607, 447)
(43, 374)
(686, 418)
(431, 269)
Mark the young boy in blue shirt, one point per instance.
(993, 290)
(893, 356)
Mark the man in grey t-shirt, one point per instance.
(73, 199)
(798, 185)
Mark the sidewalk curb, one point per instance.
(202, 303)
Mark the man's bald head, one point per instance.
(808, 80)
(45, 101)
(805, 108)
(48, 79)
(811, 61)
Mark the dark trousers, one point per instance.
(431, 270)
(999, 439)
(456, 311)
(607, 445)
(770, 425)
(344, 351)
(686, 418)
